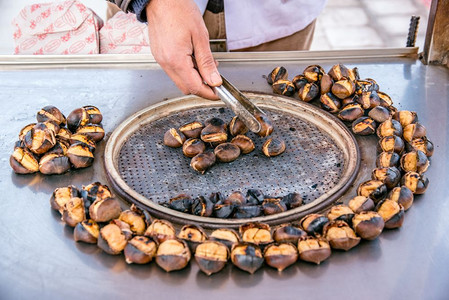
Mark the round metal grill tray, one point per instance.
(320, 162)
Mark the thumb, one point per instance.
(205, 62)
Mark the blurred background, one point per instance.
(344, 24)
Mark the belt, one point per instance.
(215, 6)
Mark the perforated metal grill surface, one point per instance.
(311, 165)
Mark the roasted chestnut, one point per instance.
(343, 88)
(218, 123)
(266, 126)
(247, 211)
(227, 152)
(313, 73)
(313, 249)
(313, 223)
(223, 211)
(284, 87)
(63, 195)
(80, 156)
(192, 130)
(379, 114)
(161, 230)
(193, 235)
(104, 210)
(387, 159)
(78, 117)
(384, 99)
(351, 112)
(211, 256)
(374, 189)
(214, 134)
(415, 182)
(422, 144)
(245, 144)
(326, 84)
(341, 212)
(273, 206)
(340, 235)
(308, 91)
(366, 85)
(392, 213)
(22, 161)
(364, 126)
(95, 116)
(361, 203)
(60, 147)
(53, 163)
(414, 161)
(390, 176)
(202, 207)
(280, 255)
(94, 131)
(414, 131)
(124, 227)
(86, 231)
(256, 233)
(235, 198)
(368, 224)
(216, 197)
(273, 147)
(278, 73)
(193, 147)
(182, 203)
(288, 233)
(338, 72)
(135, 221)
(368, 100)
(388, 128)
(112, 239)
(140, 250)
(299, 81)
(402, 195)
(391, 143)
(95, 191)
(25, 130)
(50, 113)
(292, 200)
(174, 138)
(73, 211)
(247, 257)
(254, 196)
(173, 255)
(40, 138)
(330, 103)
(237, 127)
(226, 236)
(203, 161)
(406, 117)
(83, 140)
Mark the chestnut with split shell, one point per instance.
(161, 230)
(211, 256)
(73, 212)
(313, 249)
(226, 236)
(86, 231)
(140, 250)
(340, 235)
(368, 224)
(104, 210)
(247, 257)
(173, 255)
(111, 239)
(280, 255)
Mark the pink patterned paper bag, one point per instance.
(125, 35)
(67, 27)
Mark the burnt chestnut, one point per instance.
(368, 224)
(368, 100)
(330, 103)
(351, 112)
(338, 72)
(254, 196)
(140, 250)
(276, 74)
(135, 220)
(228, 237)
(211, 256)
(366, 85)
(343, 88)
(256, 233)
(374, 189)
(60, 147)
(392, 213)
(280, 255)
(313, 249)
(292, 200)
(326, 84)
(406, 117)
(86, 231)
(223, 211)
(173, 255)
(313, 223)
(414, 131)
(415, 182)
(112, 239)
(361, 203)
(273, 206)
(182, 203)
(227, 152)
(390, 176)
(284, 87)
(161, 230)
(288, 233)
(245, 144)
(364, 126)
(84, 140)
(217, 122)
(384, 99)
(94, 131)
(202, 207)
(273, 147)
(266, 126)
(402, 195)
(379, 114)
(421, 144)
(340, 212)
(340, 235)
(203, 161)
(193, 235)
(414, 161)
(53, 163)
(235, 198)
(22, 161)
(104, 210)
(51, 113)
(299, 81)
(95, 191)
(80, 156)
(387, 159)
(308, 92)
(237, 127)
(192, 130)
(247, 257)
(388, 128)
(40, 138)
(391, 143)
(63, 195)
(174, 138)
(214, 134)
(78, 117)
(313, 73)
(25, 130)
(73, 211)
(247, 211)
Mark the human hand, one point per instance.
(177, 31)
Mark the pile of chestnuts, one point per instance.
(237, 205)
(50, 147)
(218, 141)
